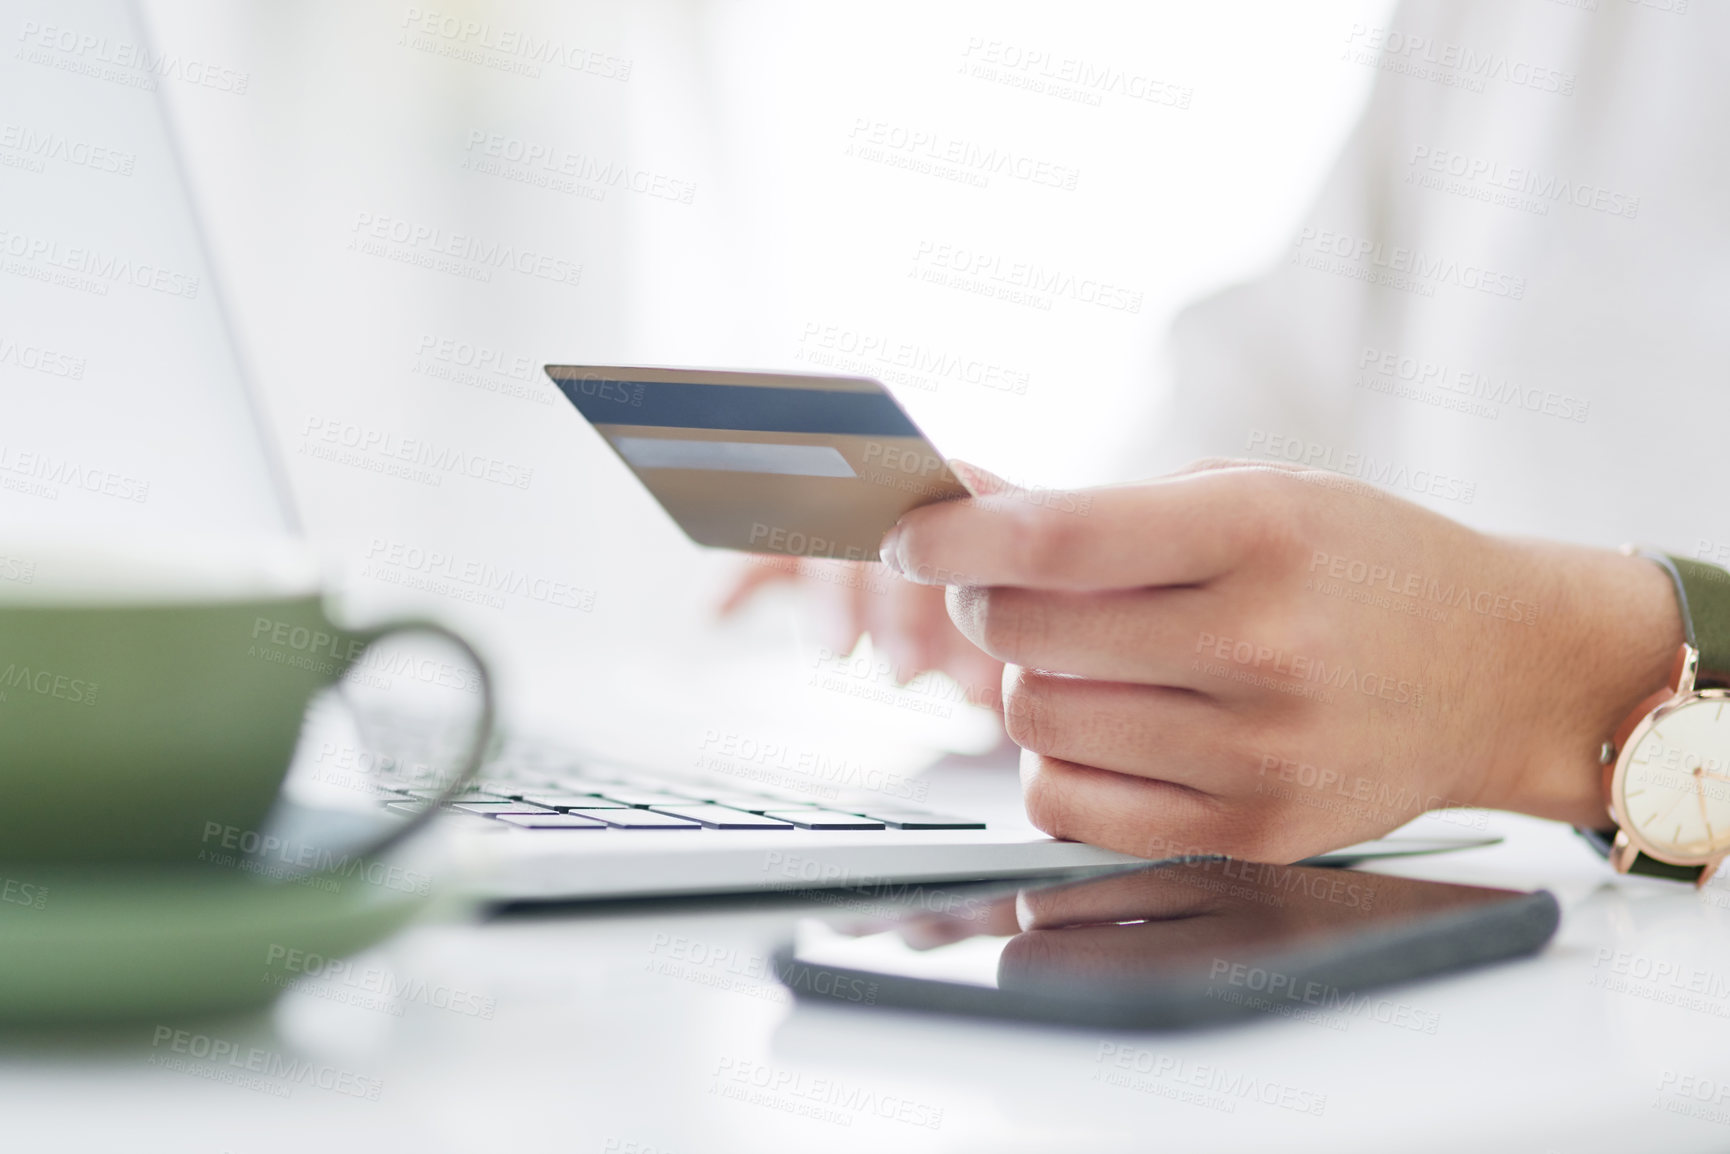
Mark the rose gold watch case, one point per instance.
(1629, 842)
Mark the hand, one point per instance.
(1270, 662)
(908, 623)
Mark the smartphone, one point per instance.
(1177, 945)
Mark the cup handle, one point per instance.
(476, 753)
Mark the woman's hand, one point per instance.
(1270, 662)
(908, 623)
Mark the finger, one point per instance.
(1137, 815)
(829, 594)
(977, 672)
(1214, 464)
(940, 640)
(1174, 531)
(756, 573)
(979, 482)
(1141, 635)
(915, 616)
(880, 617)
(1144, 731)
(851, 606)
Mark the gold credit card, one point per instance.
(807, 466)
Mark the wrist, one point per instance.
(1607, 646)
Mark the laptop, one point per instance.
(94, 183)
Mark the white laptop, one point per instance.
(548, 822)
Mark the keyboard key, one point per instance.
(720, 817)
(909, 819)
(551, 821)
(589, 787)
(382, 793)
(584, 780)
(494, 808)
(644, 797)
(571, 801)
(509, 787)
(639, 819)
(824, 819)
(469, 794)
(719, 794)
(470, 821)
(675, 785)
(752, 804)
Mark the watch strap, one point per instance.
(1703, 597)
(1603, 840)
(1703, 594)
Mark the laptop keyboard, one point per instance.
(597, 802)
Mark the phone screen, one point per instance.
(1191, 928)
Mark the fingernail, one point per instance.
(979, 481)
(966, 474)
(890, 551)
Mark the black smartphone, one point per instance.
(1175, 945)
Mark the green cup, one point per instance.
(153, 692)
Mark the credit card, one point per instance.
(796, 464)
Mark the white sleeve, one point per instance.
(1265, 368)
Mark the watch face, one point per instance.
(1672, 785)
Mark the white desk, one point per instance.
(647, 1025)
(599, 1036)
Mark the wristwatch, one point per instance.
(1667, 769)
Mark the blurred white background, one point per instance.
(728, 184)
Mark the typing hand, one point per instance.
(908, 623)
(1271, 662)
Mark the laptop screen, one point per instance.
(123, 405)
